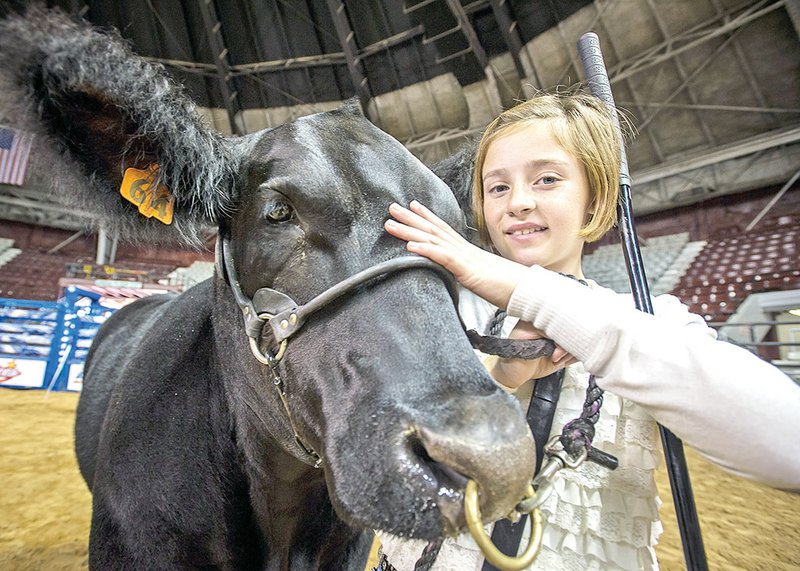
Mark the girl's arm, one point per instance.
(739, 411)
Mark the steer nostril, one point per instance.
(449, 482)
(454, 476)
(417, 448)
(445, 474)
(498, 456)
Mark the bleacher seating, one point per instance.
(730, 269)
(35, 275)
(7, 251)
(32, 275)
(188, 276)
(665, 259)
(712, 277)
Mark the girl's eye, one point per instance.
(497, 188)
(548, 180)
(279, 211)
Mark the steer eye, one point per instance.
(279, 211)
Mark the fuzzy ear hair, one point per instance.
(102, 110)
(457, 171)
(353, 106)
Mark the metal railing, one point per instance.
(768, 340)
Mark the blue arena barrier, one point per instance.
(43, 344)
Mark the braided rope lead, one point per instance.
(577, 434)
(425, 562)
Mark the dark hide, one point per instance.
(180, 434)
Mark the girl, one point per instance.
(545, 183)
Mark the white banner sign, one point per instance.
(17, 372)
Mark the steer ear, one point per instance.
(457, 171)
(101, 110)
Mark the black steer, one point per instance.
(189, 448)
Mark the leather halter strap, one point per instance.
(285, 316)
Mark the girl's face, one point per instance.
(535, 199)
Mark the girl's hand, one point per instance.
(488, 275)
(512, 373)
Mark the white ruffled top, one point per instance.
(596, 518)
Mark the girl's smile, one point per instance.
(525, 231)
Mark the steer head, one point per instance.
(382, 382)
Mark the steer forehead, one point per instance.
(354, 165)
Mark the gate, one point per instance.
(43, 344)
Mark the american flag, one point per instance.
(15, 149)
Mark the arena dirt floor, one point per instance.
(45, 506)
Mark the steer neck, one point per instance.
(248, 383)
(289, 498)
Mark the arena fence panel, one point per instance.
(43, 344)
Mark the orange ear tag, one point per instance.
(137, 188)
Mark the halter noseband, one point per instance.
(285, 316)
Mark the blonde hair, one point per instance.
(584, 127)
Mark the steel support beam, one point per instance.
(347, 39)
(772, 201)
(103, 245)
(510, 33)
(220, 51)
(733, 151)
(469, 32)
(793, 9)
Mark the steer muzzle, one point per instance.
(406, 415)
(483, 441)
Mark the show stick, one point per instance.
(594, 69)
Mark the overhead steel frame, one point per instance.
(786, 136)
(321, 60)
(220, 52)
(720, 25)
(701, 33)
(723, 23)
(347, 39)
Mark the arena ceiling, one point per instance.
(712, 86)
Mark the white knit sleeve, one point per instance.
(734, 408)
